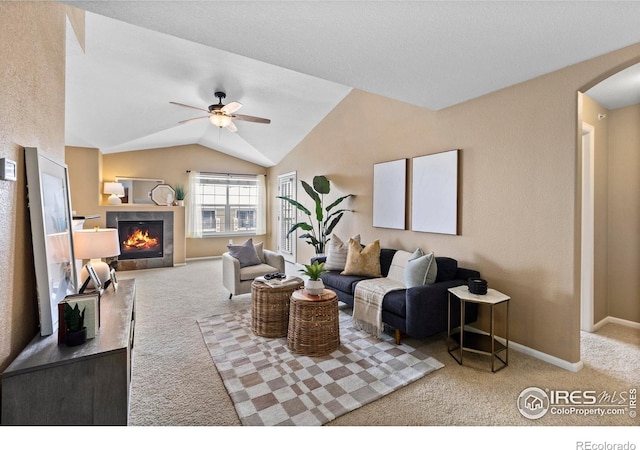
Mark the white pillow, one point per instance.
(399, 262)
(337, 252)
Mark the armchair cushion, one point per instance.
(245, 253)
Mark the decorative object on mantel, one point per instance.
(116, 190)
(314, 284)
(163, 195)
(180, 194)
(94, 244)
(325, 225)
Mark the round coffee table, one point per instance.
(314, 328)
(270, 306)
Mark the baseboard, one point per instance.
(566, 365)
(201, 258)
(623, 322)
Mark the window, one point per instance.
(224, 204)
(287, 216)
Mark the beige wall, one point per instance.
(624, 213)
(89, 168)
(519, 213)
(32, 51)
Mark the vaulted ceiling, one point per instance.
(294, 61)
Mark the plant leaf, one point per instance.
(316, 198)
(333, 223)
(296, 204)
(302, 225)
(321, 184)
(337, 202)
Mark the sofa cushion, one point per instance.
(386, 256)
(363, 261)
(344, 283)
(420, 270)
(337, 252)
(447, 268)
(245, 253)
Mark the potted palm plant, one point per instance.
(314, 285)
(327, 218)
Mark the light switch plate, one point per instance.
(8, 170)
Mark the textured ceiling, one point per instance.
(293, 61)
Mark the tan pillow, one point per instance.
(364, 262)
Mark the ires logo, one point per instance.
(534, 403)
(558, 397)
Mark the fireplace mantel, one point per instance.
(179, 241)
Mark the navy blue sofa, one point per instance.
(420, 311)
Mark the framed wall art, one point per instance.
(389, 194)
(434, 207)
(51, 230)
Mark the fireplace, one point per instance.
(140, 239)
(146, 238)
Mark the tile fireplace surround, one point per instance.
(113, 217)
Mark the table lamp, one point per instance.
(94, 244)
(116, 190)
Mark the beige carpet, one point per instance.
(175, 381)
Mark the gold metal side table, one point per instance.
(478, 342)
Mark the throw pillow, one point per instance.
(364, 262)
(245, 253)
(260, 251)
(399, 262)
(337, 252)
(421, 270)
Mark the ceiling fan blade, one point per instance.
(251, 118)
(189, 106)
(195, 118)
(232, 107)
(231, 127)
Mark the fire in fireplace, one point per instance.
(140, 239)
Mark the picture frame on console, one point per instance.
(52, 238)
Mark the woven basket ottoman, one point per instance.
(270, 306)
(314, 328)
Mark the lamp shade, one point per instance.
(114, 189)
(96, 243)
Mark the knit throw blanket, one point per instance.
(367, 303)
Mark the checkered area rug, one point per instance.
(270, 385)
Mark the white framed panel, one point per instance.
(389, 194)
(434, 204)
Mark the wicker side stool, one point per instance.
(270, 307)
(314, 328)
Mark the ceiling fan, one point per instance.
(221, 115)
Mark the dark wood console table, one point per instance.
(51, 384)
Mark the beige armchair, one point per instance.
(238, 280)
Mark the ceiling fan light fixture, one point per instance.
(220, 120)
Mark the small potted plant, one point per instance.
(180, 194)
(314, 284)
(74, 323)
